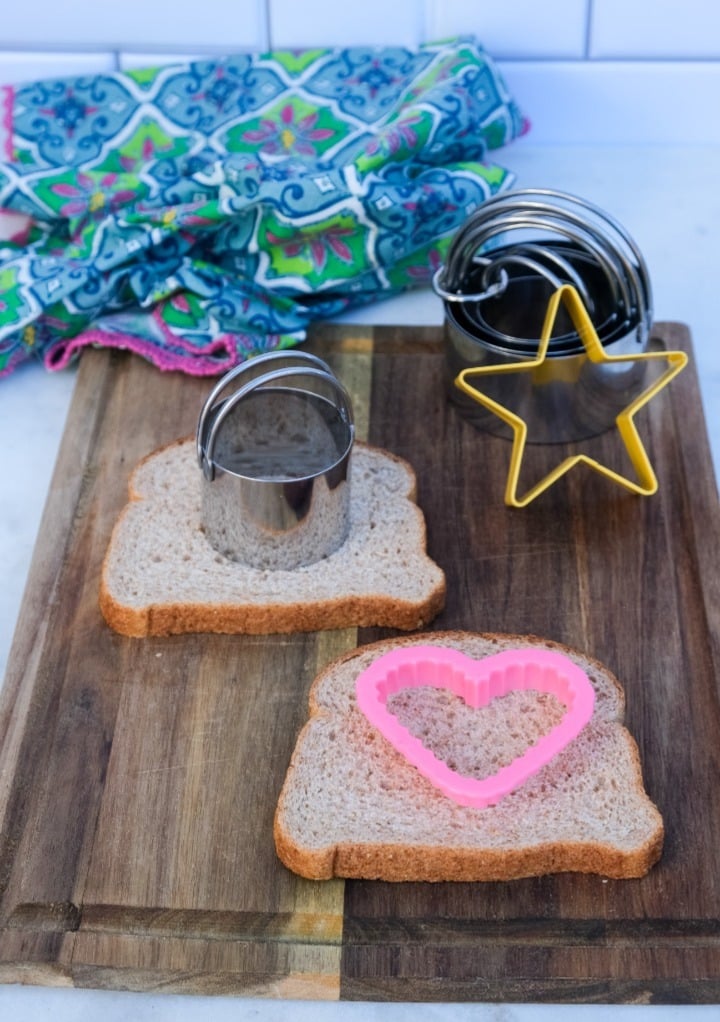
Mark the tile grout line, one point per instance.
(588, 29)
(266, 24)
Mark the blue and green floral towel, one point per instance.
(202, 212)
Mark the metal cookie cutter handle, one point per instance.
(490, 290)
(310, 375)
(579, 220)
(244, 373)
(531, 257)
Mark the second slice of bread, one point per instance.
(161, 576)
(353, 806)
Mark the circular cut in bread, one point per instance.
(161, 576)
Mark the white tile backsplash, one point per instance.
(514, 28)
(618, 102)
(134, 24)
(655, 28)
(295, 23)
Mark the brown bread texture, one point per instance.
(161, 576)
(352, 806)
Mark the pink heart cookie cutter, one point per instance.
(477, 682)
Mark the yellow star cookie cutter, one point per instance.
(647, 481)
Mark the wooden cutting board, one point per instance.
(138, 778)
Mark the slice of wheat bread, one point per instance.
(161, 576)
(352, 806)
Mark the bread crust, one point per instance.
(394, 863)
(233, 619)
(398, 861)
(251, 616)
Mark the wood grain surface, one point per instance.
(138, 778)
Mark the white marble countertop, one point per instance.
(669, 200)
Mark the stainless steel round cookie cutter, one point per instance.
(502, 267)
(274, 442)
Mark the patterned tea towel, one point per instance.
(202, 212)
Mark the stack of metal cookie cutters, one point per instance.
(274, 442)
(502, 267)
